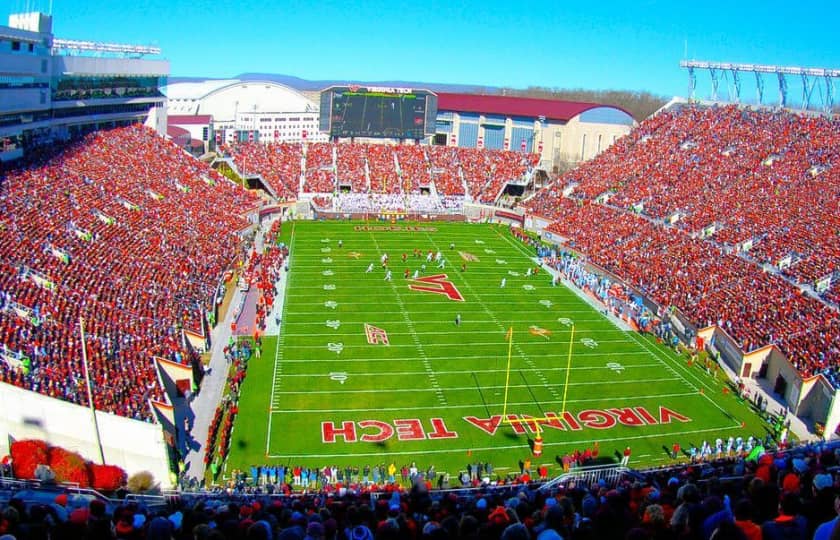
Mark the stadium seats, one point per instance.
(277, 163)
(121, 229)
(770, 178)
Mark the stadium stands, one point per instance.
(383, 170)
(277, 163)
(787, 494)
(391, 170)
(773, 178)
(122, 229)
(351, 167)
(320, 171)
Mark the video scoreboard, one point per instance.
(378, 112)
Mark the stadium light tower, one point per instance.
(820, 79)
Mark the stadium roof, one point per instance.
(552, 109)
(189, 119)
(196, 90)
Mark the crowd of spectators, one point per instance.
(382, 169)
(351, 167)
(773, 178)
(123, 230)
(279, 164)
(791, 495)
(414, 167)
(320, 171)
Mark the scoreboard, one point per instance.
(378, 112)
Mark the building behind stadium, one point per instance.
(562, 132)
(58, 89)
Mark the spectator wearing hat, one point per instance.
(821, 507)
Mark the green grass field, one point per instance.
(322, 394)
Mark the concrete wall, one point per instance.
(131, 444)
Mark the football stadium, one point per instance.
(233, 309)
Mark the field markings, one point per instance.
(430, 373)
(279, 348)
(436, 387)
(468, 371)
(656, 355)
(667, 364)
(575, 443)
(472, 357)
(473, 406)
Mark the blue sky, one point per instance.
(634, 46)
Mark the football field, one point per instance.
(368, 371)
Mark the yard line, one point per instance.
(456, 388)
(481, 405)
(278, 350)
(466, 371)
(541, 343)
(575, 443)
(665, 362)
(424, 359)
(463, 324)
(416, 321)
(468, 357)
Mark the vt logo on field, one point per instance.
(437, 284)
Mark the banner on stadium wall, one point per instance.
(784, 262)
(708, 231)
(747, 245)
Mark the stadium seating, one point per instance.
(391, 169)
(123, 230)
(383, 171)
(752, 175)
(277, 163)
(728, 497)
(351, 167)
(414, 167)
(320, 170)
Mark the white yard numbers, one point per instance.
(528, 287)
(339, 376)
(546, 303)
(327, 273)
(329, 287)
(589, 342)
(565, 321)
(514, 273)
(326, 250)
(479, 242)
(328, 260)
(333, 323)
(335, 347)
(332, 304)
(325, 240)
(615, 366)
(501, 261)
(489, 251)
